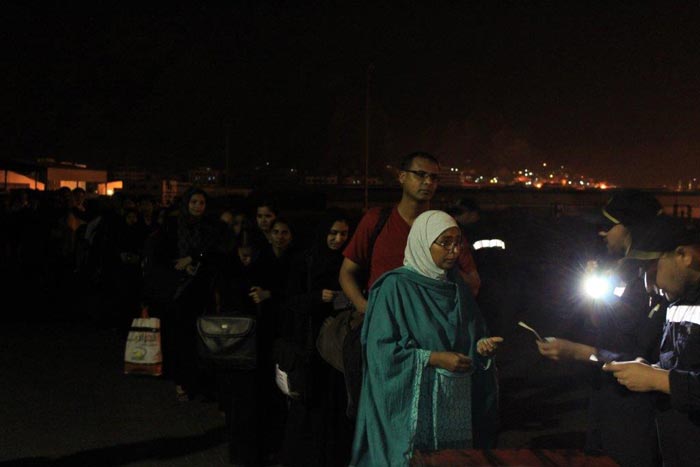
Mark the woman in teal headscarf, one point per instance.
(429, 382)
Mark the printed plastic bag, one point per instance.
(142, 354)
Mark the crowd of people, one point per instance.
(419, 359)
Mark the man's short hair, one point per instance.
(407, 160)
(269, 204)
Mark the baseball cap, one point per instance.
(658, 235)
(629, 207)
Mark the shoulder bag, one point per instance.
(227, 342)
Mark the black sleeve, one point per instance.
(685, 390)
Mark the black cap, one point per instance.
(631, 207)
(661, 234)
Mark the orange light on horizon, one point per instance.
(110, 187)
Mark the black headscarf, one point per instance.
(192, 234)
(325, 263)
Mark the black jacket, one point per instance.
(678, 416)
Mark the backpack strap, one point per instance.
(378, 227)
(384, 214)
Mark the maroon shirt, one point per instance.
(389, 247)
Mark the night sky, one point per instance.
(611, 90)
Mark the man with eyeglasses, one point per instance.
(378, 246)
(418, 176)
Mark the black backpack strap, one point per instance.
(378, 227)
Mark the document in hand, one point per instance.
(523, 325)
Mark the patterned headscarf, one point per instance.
(425, 230)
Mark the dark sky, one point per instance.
(611, 90)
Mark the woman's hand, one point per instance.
(327, 296)
(487, 346)
(450, 361)
(182, 263)
(258, 294)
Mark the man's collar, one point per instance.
(691, 295)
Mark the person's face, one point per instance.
(670, 274)
(337, 235)
(445, 249)
(197, 204)
(227, 218)
(281, 235)
(616, 239)
(245, 254)
(265, 217)
(129, 204)
(146, 207)
(419, 182)
(131, 218)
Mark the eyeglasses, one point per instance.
(450, 246)
(424, 175)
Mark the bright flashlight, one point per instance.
(596, 286)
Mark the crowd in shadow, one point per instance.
(69, 257)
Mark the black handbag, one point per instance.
(227, 342)
(331, 338)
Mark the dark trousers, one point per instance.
(318, 432)
(256, 416)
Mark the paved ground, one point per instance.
(65, 401)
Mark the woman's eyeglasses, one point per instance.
(451, 245)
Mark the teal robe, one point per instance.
(405, 403)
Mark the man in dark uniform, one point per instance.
(621, 422)
(676, 376)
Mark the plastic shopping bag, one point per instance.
(142, 354)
